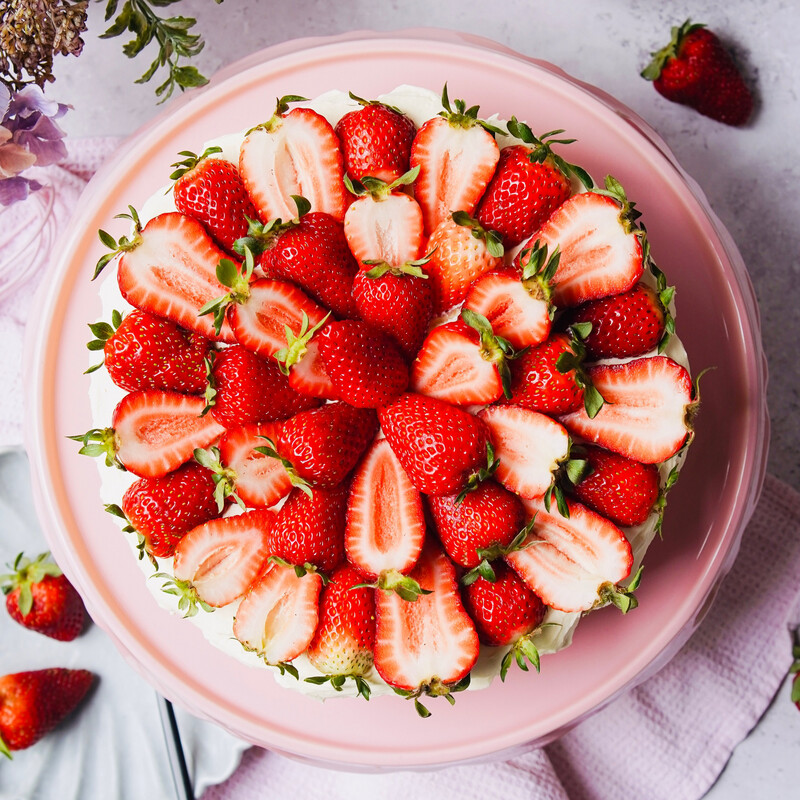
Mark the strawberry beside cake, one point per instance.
(395, 392)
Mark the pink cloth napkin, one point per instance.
(669, 738)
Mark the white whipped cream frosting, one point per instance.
(558, 627)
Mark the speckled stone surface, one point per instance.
(751, 176)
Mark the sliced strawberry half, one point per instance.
(216, 562)
(601, 248)
(383, 224)
(456, 154)
(259, 481)
(385, 521)
(279, 613)
(152, 433)
(574, 563)
(260, 323)
(516, 300)
(309, 376)
(529, 447)
(172, 272)
(649, 409)
(294, 153)
(427, 647)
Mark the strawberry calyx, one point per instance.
(622, 597)
(237, 279)
(284, 667)
(413, 268)
(392, 580)
(494, 551)
(463, 117)
(654, 69)
(100, 442)
(571, 471)
(295, 479)
(122, 245)
(628, 212)
(281, 107)
(541, 150)
(26, 573)
(538, 272)
(262, 236)
(362, 102)
(665, 293)
(190, 161)
(189, 601)
(661, 501)
(572, 361)
(795, 670)
(338, 682)
(480, 475)
(522, 651)
(297, 345)
(376, 188)
(102, 332)
(494, 243)
(435, 687)
(224, 477)
(301, 569)
(141, 544)
(494, 349)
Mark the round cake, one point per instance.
(395, 390)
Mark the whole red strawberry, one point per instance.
(619, 488)
(33, 703)
(364, 364)
(396, 300)
(39, 596)
(442, 448)
(162, 510)
(312, 252)
(695, 70)
(506, 612)
(475, 529)
(211, 190)
(309, 529)
(324, 444)
(345, 637)
(538, 383)
(246, 388)
(625, 325)
(530, 182)
(142, 351)
(376, 141)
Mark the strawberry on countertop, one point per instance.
(376, 141)
(40, 597)
(696, 70)
(33, 703)
(211, 190)
(456, 154)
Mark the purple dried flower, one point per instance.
(29, 136)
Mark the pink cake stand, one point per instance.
(717, 319)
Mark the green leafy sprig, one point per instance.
(172, 34)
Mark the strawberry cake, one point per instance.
(394, 392)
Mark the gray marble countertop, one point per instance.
(750, 175)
